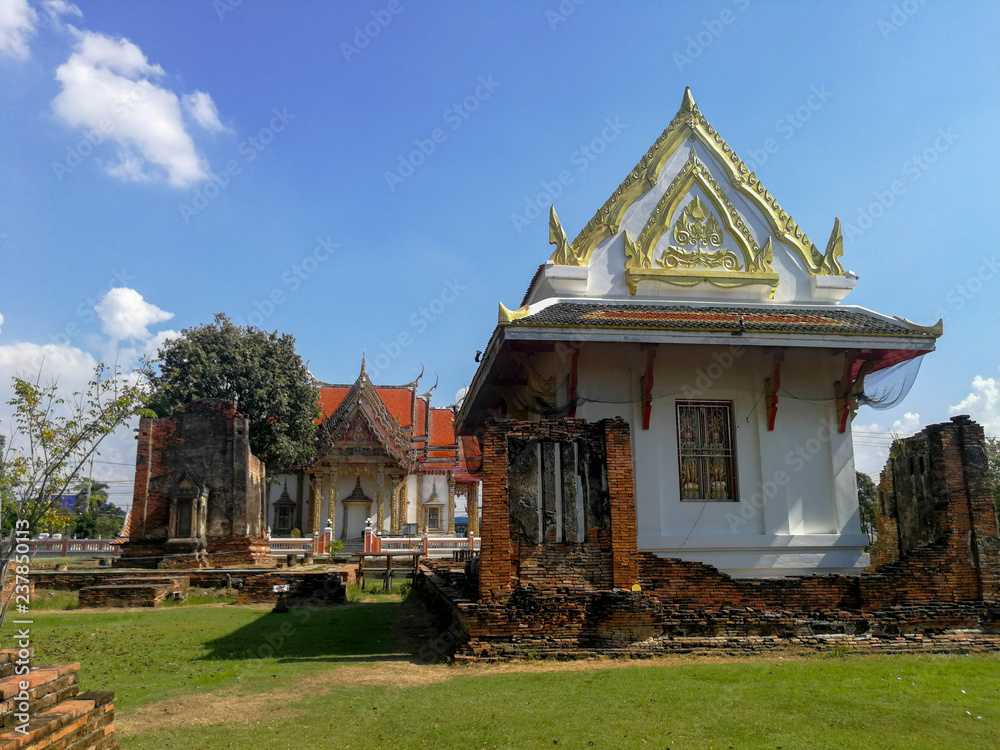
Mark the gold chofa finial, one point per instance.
(830, 264)
(563, 255)
(688, 105)
(362, 361)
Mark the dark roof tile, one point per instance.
(835, 320)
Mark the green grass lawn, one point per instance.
(337, 679)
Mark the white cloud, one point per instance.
(58, 8)
(153, 345)
(124, 314)
(201, 107)
(906, 425)
(67, 365)
(17, 26)
(983, 404)
(106, 87)
(19, 22)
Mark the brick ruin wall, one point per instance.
(210, 439)
(304, 589)
(542, 591)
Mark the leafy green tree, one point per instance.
(84, 526)
(95, 516)
(91, 495)
(993, 465)
(867, 497)
(259, 371)
(54, 437)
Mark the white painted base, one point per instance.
(767, 556)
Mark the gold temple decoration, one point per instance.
(505, 316)
(935, 330)
(834, 249)
(690, 125)
(564, 254)
(697, 231)
(699, 236)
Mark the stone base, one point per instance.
(227, 552)
(706, 612)
(240, 552)
(304, 589)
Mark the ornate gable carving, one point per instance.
(362, 417)
(690, 125)
(698, 254)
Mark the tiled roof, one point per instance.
(441, 452)
(835, 320)
(330, 397)
(399, 402)
(442, 427)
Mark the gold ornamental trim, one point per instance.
(683, 277)
(690, 124)
(505, 316)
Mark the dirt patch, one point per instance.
(232, 705)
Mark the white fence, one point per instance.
(68, 547)
(428, 546)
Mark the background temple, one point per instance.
(383, 453)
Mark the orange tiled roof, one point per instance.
(443, 451)
(399, 402)
(442, 427)
(330, 397)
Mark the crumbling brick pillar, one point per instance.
(621, 488)
(977, 490)
(495, 547)
(939, 540)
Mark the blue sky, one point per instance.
(351, 172)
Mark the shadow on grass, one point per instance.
(345, 634)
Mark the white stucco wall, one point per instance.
(796, 511)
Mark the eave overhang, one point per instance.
(892, 341)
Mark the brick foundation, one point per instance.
(145, 591)
(205, 579)
(937, 589)
(59, 716)
(305, 589)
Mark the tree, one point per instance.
(95, 516)
(259, 371)
(993, 466)
(54, 436)
(91, 495)
(867, 497)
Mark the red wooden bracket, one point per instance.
(771, 386)
(846, 387)
(646, 383)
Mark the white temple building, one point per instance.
(694, 307)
